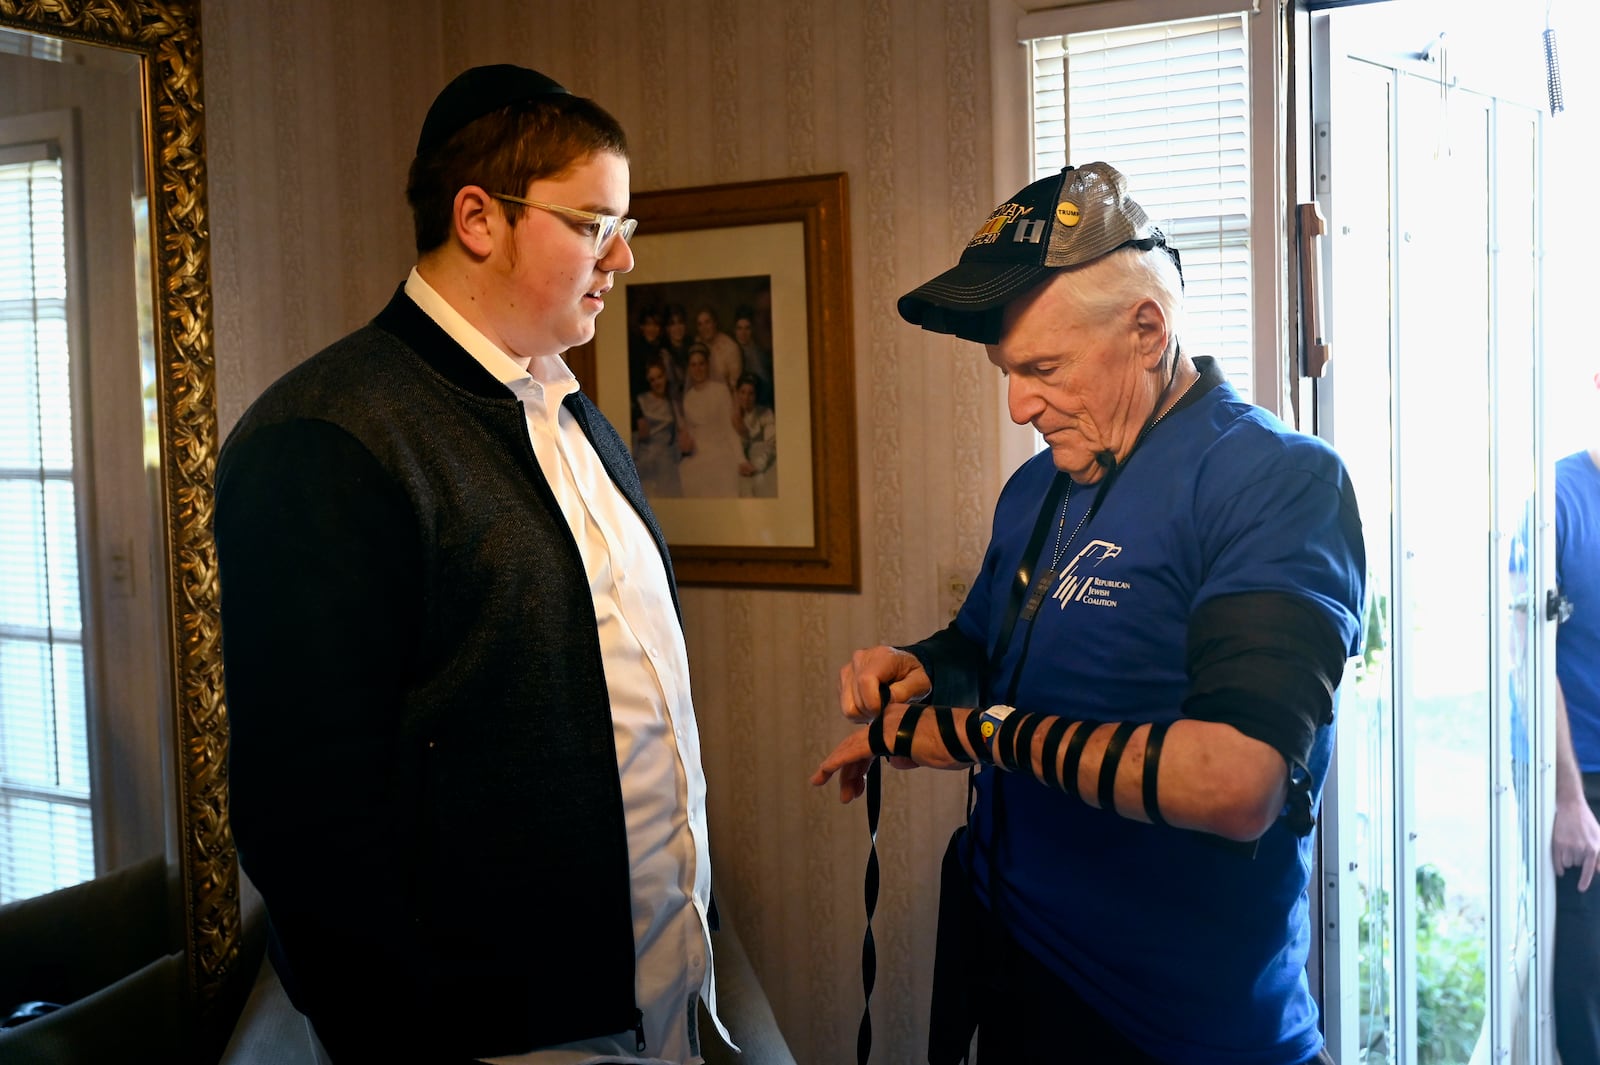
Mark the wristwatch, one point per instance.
(989, 727)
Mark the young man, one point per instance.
(1163, 614)
(465, 768)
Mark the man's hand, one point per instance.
(854, 754)
(1574, 837)
(1575, 840)
(870, 667)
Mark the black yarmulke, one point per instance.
(477, 92)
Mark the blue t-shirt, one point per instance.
(1194, 951)
(1578, 576)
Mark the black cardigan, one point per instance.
(423, 775)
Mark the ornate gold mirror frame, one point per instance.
(165, 34)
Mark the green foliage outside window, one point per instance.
(1451, 975)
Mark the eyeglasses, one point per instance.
(602, 227)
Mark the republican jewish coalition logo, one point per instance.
(1076, 585)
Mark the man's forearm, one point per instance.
(1200, 775)
(1569, 778)
(1206, 776)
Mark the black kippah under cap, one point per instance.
(478, 92)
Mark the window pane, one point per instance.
(43, 745)
(1445, 522)
(1363, 429)
(35, 391)
(43, 846)
(33, 261)
(46, 829)
(27, 728)
(1168, 105)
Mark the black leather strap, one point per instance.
(1069, 766)
(975, 741)
(875, 740)
(869, 949)
(1022, 752)
(1152, 767)
(1059, 486)
(1052, 747)
(945, 718)
(1004, 745)
(906, 734)
(1109, 763)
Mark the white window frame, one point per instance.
(1012, 22)
(57, 129)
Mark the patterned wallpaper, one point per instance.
(313, 110)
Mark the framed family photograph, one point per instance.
(725, 359)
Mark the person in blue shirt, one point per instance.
(1575, 837)
(1144, 669)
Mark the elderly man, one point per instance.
(1144, 669)
(465, 768)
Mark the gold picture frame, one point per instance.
(165, 35)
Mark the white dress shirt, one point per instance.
(652, 715)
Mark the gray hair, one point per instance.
(1112, 283)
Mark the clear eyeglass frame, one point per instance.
(606, 226)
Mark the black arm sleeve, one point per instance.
(954, 663)
(1266, 663)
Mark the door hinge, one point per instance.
(1321, 158)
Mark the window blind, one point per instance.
(46, 831)
(1168, 104)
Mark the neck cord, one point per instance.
(1041, 586)
(1017, 610)
(1061, 526)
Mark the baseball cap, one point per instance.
(1066, 219)
(480, 91)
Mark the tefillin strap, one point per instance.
(900, 747)
(869, 950)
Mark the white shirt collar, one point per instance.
(550, 372)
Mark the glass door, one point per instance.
(1428, 182)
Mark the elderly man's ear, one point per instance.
(1151, 323)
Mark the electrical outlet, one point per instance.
(953, 587)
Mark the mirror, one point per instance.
(118, 443)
